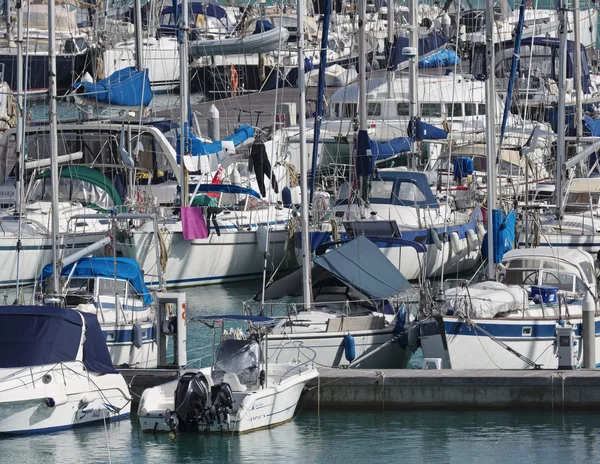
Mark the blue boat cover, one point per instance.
(224, 188)
(365, 162)
(504, 234)
(198, 148)
(425, 131)
(46, 335)
(127, 269)
(592, 125)
(262, 25)
(419, 179)
(126, 87)
(440, 59)
(426, 45)
(209, 9)
(359, 264)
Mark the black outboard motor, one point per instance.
(191, 396)
(221, 398)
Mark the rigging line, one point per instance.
(450, 145)
(274, 153)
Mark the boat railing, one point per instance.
(287, 309)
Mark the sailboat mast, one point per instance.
(53, 145)
(20, 127)
(306, 268)
(362, 67)
(139, 59)
(183, 97)
(562, 78)
(390, 62)
(413, 68)
(577, 70)
(490, 132)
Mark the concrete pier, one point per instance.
(454, 389)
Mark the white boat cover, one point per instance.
(485, 299)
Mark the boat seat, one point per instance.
(234, 382)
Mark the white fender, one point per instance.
(455, 242)
(436, 239)
(261, 238)
(472, 240)
(480, 231)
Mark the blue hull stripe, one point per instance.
(500, 330)
(66, 427)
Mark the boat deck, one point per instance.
(257, 109)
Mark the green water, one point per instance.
(329, 437)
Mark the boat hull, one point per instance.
(35, 253)
(327, 349)
(232, 256)
(257, 409)
(462, 346)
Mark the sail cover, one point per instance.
(126, 87)
(359, 264)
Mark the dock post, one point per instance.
(172, 323)
(214, 128)
(589, 332)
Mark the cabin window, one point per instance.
(481, 109)
(454, 110)
(335, 108)
(349, 110)
(373, 109)
(381, 190)
(83, 286)
(588, 270)
(409, 193)
(470, 109)
(562, 281)
(431, 110)
(403, 109)
(110, 287)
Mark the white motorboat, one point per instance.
(121, 301)
(55, 371)
(353, 321)
(239, 393)
(513, 324)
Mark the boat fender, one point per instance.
(455, 242)
(349, 347)
(262, 376)
(472, 240)
(286, 197)
(480, 232)
(58, 400)
(261, 238)
(400, 320)
(436, 239)
(137, 336)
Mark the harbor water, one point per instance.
(326, 437)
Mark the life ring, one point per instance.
(234, 80)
